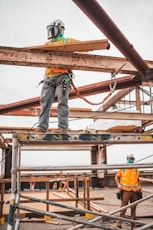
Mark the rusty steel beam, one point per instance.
(104, 86)
(88, 90)
(101, 19)
(35, 111)
(114, 99)
(111, 115)
(73, 61)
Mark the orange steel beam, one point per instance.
(35, 111)
(100, 18)
(88, 90)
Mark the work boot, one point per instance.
(59, 130)
(38, 130)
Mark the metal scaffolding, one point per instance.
(15, 206)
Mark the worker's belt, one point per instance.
(64, 82)
(51, 84)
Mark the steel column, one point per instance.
(11, 216)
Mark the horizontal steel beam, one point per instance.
(85, 167)
(73, 61)
(104, 115)
(87, 90)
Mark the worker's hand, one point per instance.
(139, 188)
(120, 186)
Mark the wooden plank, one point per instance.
(75, 46)
(33, 220)
(52, 222)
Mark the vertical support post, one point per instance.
(101, 159)
(67, 188)
(142, 100)
(150, 89)
(47, 195)
(3, 162)
(84, 192)
(2, 203)
(88, 216)
(94, 150)
(88, 194)
(60, 183)
(48, 218)
(11, 216)
(138, 100)
(17, 198)
(76, 190)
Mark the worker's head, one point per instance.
(130, 158)
(55, 29)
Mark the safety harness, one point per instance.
(64, 82)
(66, 86)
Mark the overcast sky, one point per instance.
(23, 23)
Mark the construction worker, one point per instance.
(127, 181)
(56, 82)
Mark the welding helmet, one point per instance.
(55, 28)
(130, 158)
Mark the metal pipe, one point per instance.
(100, 18)
(115, 211)
(132, 204)
(62, 217)
(85, 167)
(79, 210)
(11, 216)
(18, 182)
(146, 226)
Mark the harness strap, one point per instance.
(64, 82)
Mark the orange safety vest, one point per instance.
(50, 72)
(129, 179)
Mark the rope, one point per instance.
(83, 98)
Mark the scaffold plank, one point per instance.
(84, 138)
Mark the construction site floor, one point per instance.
(109, 203)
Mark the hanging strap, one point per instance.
(83, 98)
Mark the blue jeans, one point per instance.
(48, 94)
